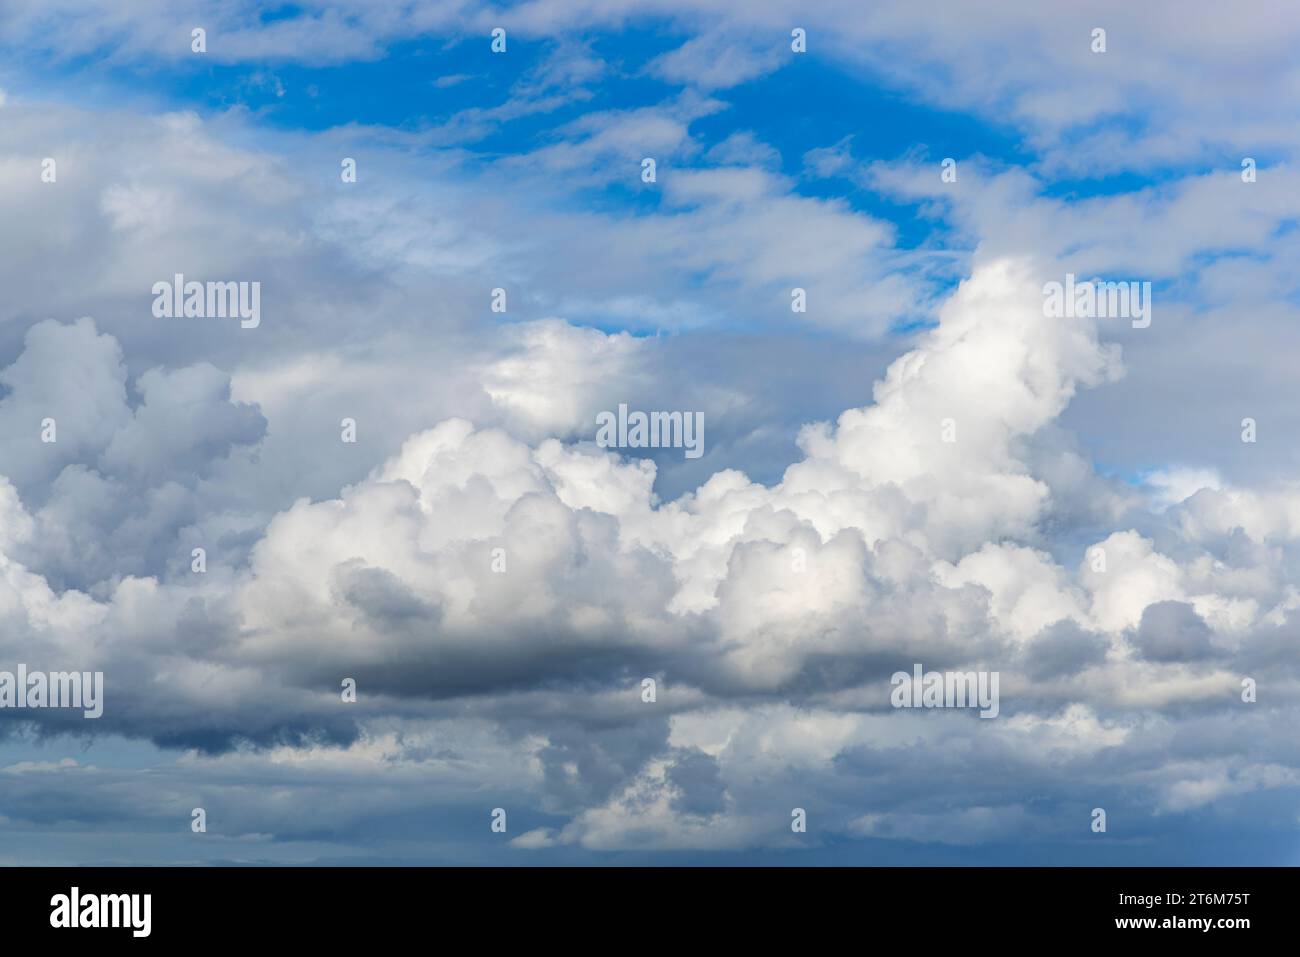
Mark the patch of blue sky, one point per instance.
(114, 751)
(809, 104)
(421, 84)
(402, 90)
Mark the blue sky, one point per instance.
(920, 467)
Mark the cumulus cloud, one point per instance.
(474, 567)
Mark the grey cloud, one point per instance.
(698, 779)
(1172, 631)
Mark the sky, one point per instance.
(922, 466)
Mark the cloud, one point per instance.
(715, 61)
(1172, 631)
(858, 557)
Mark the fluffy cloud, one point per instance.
(885, 544)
